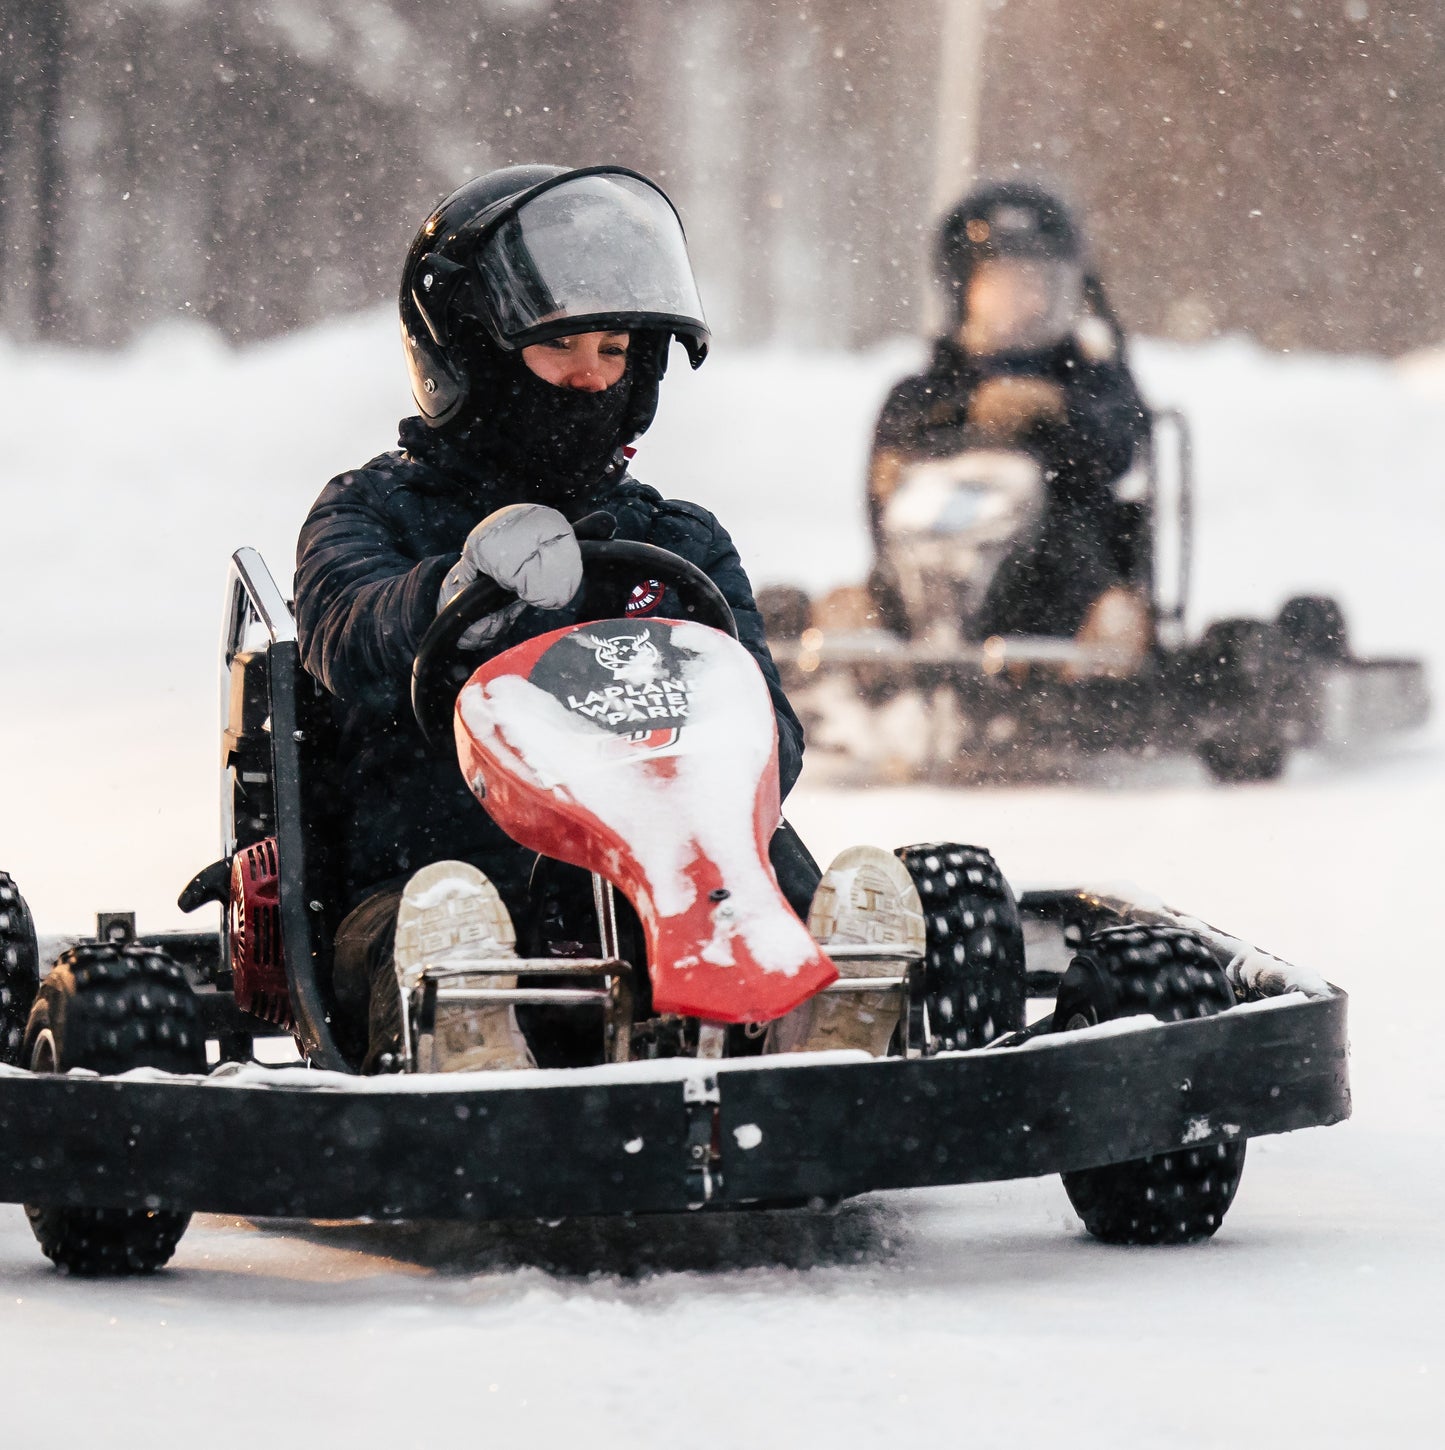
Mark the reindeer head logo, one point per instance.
(632, 658)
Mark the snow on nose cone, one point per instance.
(647, 751)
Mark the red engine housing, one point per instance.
(253, 926)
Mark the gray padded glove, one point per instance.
(527, 547)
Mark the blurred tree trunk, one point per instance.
(960, 79)
(9, 145)
(48, 22)
(1274, 170)
(31, 167)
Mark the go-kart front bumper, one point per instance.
(671, 1135)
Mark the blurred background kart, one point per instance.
(897, 680)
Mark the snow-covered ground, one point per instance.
(980, 1313)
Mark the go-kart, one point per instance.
(906, 679)
(643, 752)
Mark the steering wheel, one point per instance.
(441, 669)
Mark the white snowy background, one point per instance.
(983, 1315)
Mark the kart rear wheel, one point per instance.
(1244, 670)
(1314, 625)
(1171, 1198)
(974, 978)
(19, 971)
(1237, 761)
(110, 1009)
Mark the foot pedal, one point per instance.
(865, 899)
(450, 915)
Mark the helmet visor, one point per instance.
(1020, 304)
(593, 253)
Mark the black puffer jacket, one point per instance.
(370, 562)
(1089, 540)
(1105, 419)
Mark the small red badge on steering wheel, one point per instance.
(646, 598)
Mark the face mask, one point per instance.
(554, 441)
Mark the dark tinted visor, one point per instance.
(593, 253)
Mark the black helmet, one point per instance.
(1004, 219)
(529, 253)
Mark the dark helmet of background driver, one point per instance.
(452, 380)
(1002, 219)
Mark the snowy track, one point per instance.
(983, 1313)
(964, 1310)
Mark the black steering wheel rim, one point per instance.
(440, 670)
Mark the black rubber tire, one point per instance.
(1314, 625)
(975, 979)
(1246, 679)
(1172, 1198)
(19, 971)
(110, 1009)
(1240, 759)
(786, 610)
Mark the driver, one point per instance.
(1032, 359)
(537, 309)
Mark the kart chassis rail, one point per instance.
(669, 1136)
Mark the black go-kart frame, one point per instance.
(1156, 1047)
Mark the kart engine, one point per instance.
(253, 926)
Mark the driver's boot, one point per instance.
(450, 917)
(1119, 622)
(866, 898)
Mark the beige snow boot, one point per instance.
(866, 898)
(451, 916)
(1119, 622)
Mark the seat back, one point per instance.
(261, 661)
(300, 720)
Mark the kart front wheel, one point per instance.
(110, 1009)
(974, 976)
(1237, 761)
(1167, 972)
(19, 971)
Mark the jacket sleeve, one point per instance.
(1107, 420)
(693, 532)
(362, 601)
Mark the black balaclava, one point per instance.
(559, 440)
(551, 443)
